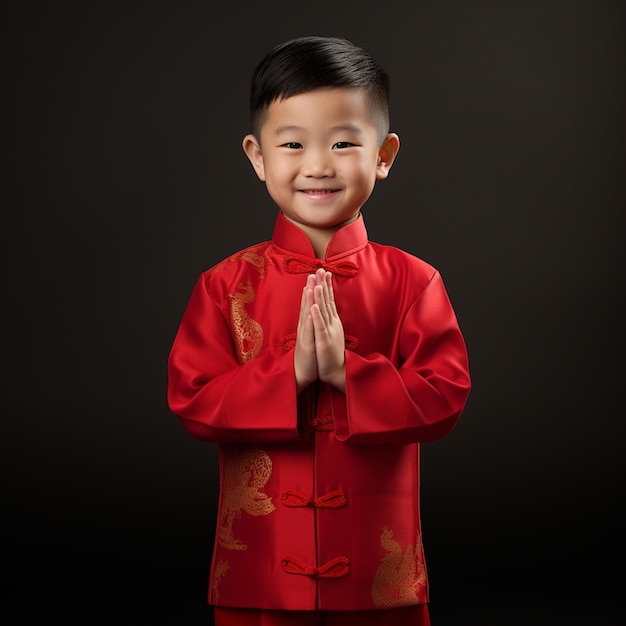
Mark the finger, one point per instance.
(329, 281)
(320, 327)
(308, 326)
(320, 301)
(330, 296)
(305, 305)
(319, 276)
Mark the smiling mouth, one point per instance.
(320, 192)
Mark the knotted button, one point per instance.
(323, 423)
(335, 568)
(330, 500)
(300, 264)
(288, 342)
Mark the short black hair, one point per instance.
(307, 63)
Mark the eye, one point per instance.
(340, 145)
(292, 145)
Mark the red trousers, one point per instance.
(407, 616)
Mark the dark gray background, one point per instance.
(125, 179)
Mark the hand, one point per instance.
(329, 341)
(305, 360)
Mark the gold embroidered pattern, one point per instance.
(221, 567)
(245, 471)
(253, 255)
(401, 577)
(248, 332)
(257, 260)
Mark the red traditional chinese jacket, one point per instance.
(319, 492)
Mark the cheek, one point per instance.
(278, 181)
(364, 174)
(280, 172)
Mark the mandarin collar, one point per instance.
(347, 240)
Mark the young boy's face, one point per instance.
(320, 154)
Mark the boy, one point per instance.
(318, 361)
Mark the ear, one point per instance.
(252, 148)
(386, 155)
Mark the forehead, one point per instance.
(320, 108)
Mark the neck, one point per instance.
(320, 237)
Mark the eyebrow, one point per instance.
(351, 128)
(292, 127)
(285, 129)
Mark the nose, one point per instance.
(317, 164)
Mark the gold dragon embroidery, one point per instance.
(221, 567)
(245, 472)
(256, 260)
(401, 577)
(248, 332)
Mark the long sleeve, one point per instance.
(216, 397)
(422, 399)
